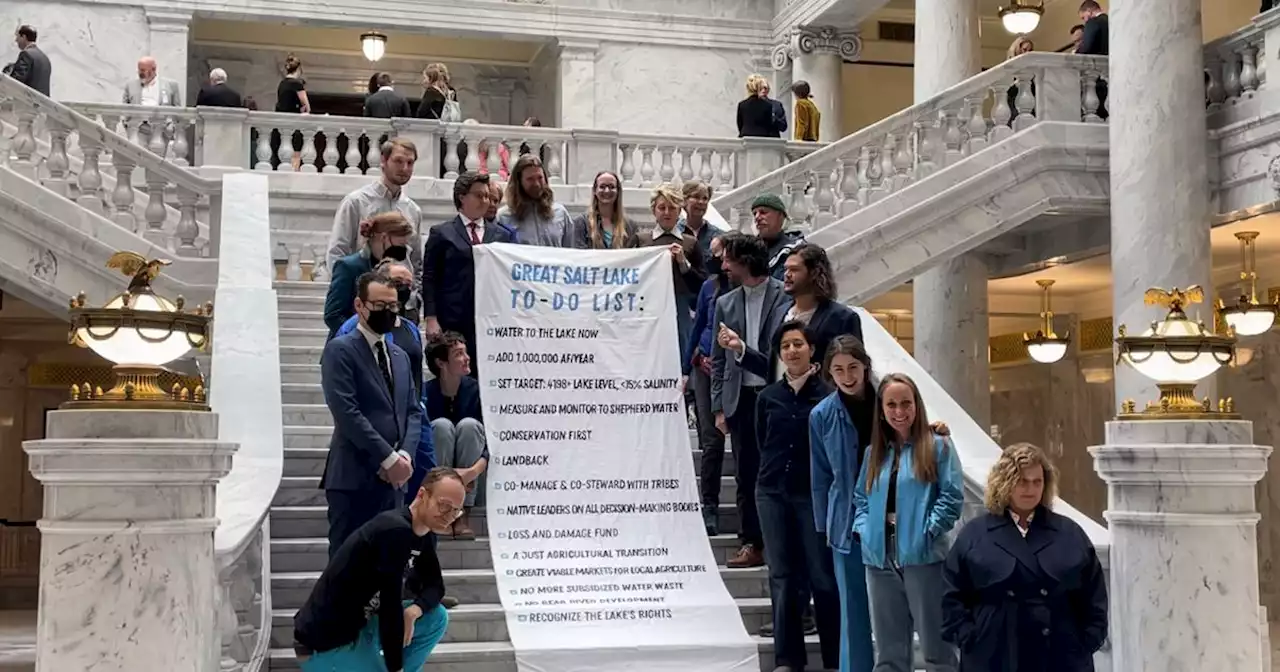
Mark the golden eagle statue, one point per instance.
(142, 269)
(1174, 299)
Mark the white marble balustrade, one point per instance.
(648, 160)
(316, 143)
(1235, 65)
(836, 180)
(178, 137)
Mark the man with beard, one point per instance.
(385, 195)
(531, 210)
(770, 215)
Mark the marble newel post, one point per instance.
(817, 54)
(952, 331)
(170, 36)
(576, 93)
(127, 572)
(1184, 569)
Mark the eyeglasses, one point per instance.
(448, 510)
(375, 306)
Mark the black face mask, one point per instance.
(381, 321)
(715, 267)
(402, 295)
(396, 252)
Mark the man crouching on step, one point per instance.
(377, 607)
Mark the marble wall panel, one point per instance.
(759, 10)
(94, 49)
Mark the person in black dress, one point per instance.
(291, 97)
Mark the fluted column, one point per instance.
(1159, 167)
(950, 301)
(576, 97)
(817, 54)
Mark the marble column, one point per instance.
(576, 74)
(1184, 571)
(949, 302)
(817, 55)
(1159, 168)
(170, 33)
(128, 578)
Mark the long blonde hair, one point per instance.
(924, 461)
(1008, 469)
(1017, 42)
(619, 217)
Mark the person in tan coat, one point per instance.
(807, 115)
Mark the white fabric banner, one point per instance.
(595, 528)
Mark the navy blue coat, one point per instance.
(1037, 604)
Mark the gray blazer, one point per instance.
(369, 422)
(169, 96)
(731, 309)
(33, 69)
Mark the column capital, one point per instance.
(826, 40)
(579, 50)
(176, 21)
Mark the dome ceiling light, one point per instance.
(1022, 17)
(1045, 346)
(1248, 317)
(374, 45)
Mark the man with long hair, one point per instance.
(531, 210)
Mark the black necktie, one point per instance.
(384, 365)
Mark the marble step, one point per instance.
(306, 414)
(301, 319)
(301, 354)
(312, 554)
(301, 287)
(478, 586)
(304, 522)
(488, 622)
(313, 335)
(305, 490)
(301, 374)
(500, 657)
(302, 393)
(300, 303)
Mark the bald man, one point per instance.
(149, 89)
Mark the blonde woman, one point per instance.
(1021, 45)
(686, 259)
(1024, 588)
(605, 225)
(435, 84)
(757, 114)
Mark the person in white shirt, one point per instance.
(151, 90)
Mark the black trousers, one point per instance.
(349, 509)
(746, 450)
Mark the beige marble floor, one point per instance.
(17, 641)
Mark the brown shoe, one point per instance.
(462, 527)
(747, 556)
(448, 602)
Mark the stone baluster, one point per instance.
(156, 141)
(89, 180)
(646, 166)
(493, 158)
(902, 162)
(451, 155)
(1214, 92)
(705, 172)
(263, 151)
(155, 211)
(667, 171)
(726, 168)
(57, 164)
(181, 148)
(320, 272)
(111, 122)
(285, 154)
(952, 137)
(864, 176)
(976, 125)
(627, 166)
(187, 229)
(472, 163)
(824, 200)
(373, 156)
(331, 156)
(133, 130)
(1001, 115)
(746, 221)
(686, 164)
(555, 162)
(1260, 55)
(293, 270)
(926, 156)
(513, 151)
(352, 156)
(228, 627)
(24, 143)
(1026, 104)
(309, 153)
(850, 171)
(122, 195)
(1231, 76)
(887, 170)
(1248, 70)
(877, 188)
(1090, 95)
(798, 208)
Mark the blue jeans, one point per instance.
(856, 651)
(799, 565)
(365, 654)
(906, 599)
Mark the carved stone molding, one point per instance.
(579, 50)
(171, 21)
(826, 40)
(1273, 172)
(781, 55)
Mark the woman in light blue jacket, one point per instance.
(908, 498)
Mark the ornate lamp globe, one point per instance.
(1045, 346)
(139, 332)
(1022, 17)
(1176, 353)
(1247, 316)
(374, 46)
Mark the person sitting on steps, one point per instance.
(457, 425)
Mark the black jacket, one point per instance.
(32, 68)
(1037, 604)
(1094, 42)
(830, 319)
(385, 104)
(466, 404)
(218, 95)
(432, 104)
(756, 118)
(782, 429)
(449, 276)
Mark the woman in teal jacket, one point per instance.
(908, 498)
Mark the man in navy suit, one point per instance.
(368, 386)
(448, 267)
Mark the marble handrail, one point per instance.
(909, 145)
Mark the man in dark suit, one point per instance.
(1095, 42)
(448, 266)
(217, 93)
(755, 309)
(32, 67)
(368, 386)
(385, 103)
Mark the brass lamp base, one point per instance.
(1178, 402)
(137, 388)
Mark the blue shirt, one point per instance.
(701, 333)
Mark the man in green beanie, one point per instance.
(770, 215)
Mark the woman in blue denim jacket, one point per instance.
(908, 498)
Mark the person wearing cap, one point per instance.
(770, 215)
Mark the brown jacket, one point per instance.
(689, 281)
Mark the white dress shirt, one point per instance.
(373, 340)
(151, 93)
(479, 224)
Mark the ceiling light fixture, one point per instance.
(1045, 346)
(374, 45)
(1248, 317)
(1022, 16)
